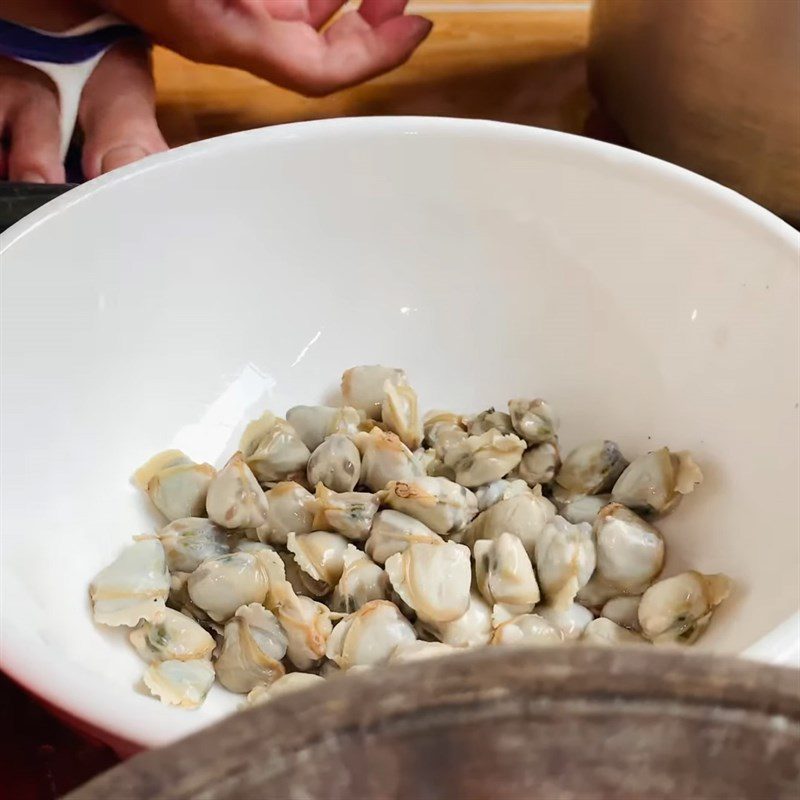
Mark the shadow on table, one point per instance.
(548, 93)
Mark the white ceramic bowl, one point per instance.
(167, 303)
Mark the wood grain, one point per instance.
(516, 66)
(499, 724)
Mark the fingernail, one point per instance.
(32, 177)
(121, 155)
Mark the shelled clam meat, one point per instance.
(347, 538)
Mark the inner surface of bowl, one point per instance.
(169, 303)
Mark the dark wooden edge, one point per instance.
(417, 693)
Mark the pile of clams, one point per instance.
(345, 538)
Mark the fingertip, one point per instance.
(418, 27)
(426, 26)
(117, 112)
(121, 156)
(401, 36)
(118, 147)
(32, 176)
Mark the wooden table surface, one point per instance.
(497, 59)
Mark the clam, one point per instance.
(385, 458)
(624, 610)
(179, 600)
(302, 582)
(175, 484)
(134, 586)
(392, 532)
(442, 428)
(571, 622)
(437, 422)
(534, 420)
(314, 424)
(166, 459)
(252, 648)
(482, 459)
(655, 483)
(605, 632)
(539, 464)
(180, 683)
(471, 629)
(306, 622)
(319, 554)
(504, 573)
(273, 449)
(496, 491)
(336, 464)
(400, 413)
(274, 563)
(565, 560)
(678, 609)
(630, 552)
(223, 583)
(524, 515)
(171, 636)
(579, 507)
(444, 506)
(527, 629)
(436, 468)
(308, 626)
(189, 541)
(286, 684)
(592, 468)
(254, 548)
(290, 508)
(363, 387)
(420, 651)
(502, 613)
(369, 636)
(490, 420)
(426, 458)
(596, 593)
(348, 513)
(362, 580)
(235, 499)
(433, 579)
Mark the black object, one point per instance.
(17, 200)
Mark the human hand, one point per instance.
(281, 40)
(116, 113)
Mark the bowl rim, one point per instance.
(69, 688)
(408, 125)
